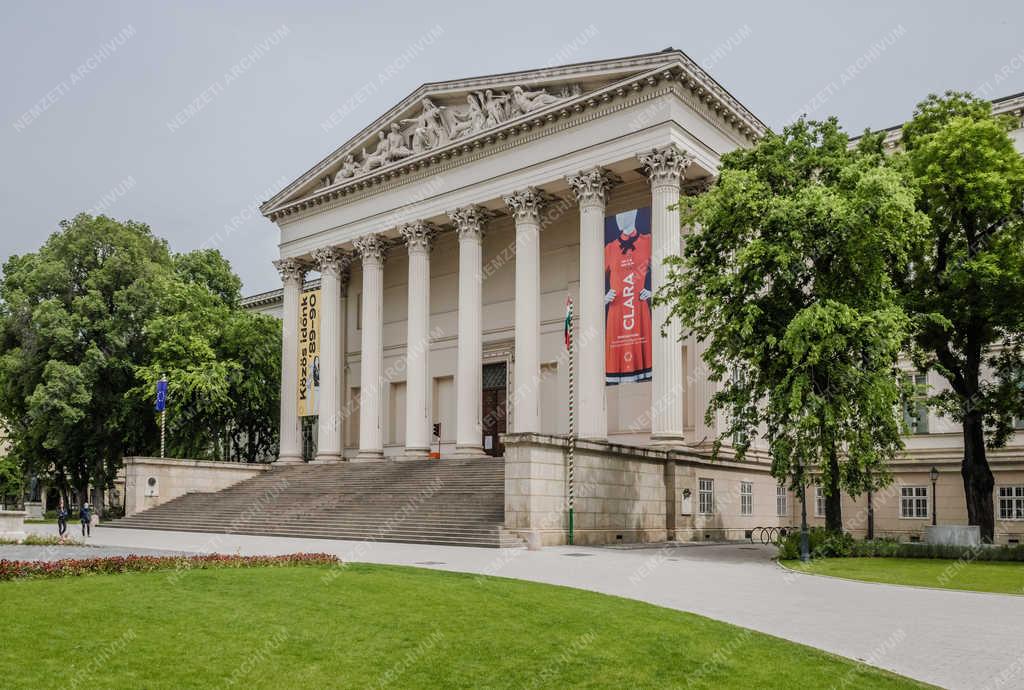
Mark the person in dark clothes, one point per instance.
(85, 515)
(62, 519)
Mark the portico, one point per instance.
(466, 233)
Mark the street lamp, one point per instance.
(934, 474)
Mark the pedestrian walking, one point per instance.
(62, 519)
(85, 515)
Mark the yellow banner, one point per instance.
(308, 384)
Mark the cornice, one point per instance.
(696, 88)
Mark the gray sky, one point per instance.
(116, 78)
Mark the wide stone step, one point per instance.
(429, 502)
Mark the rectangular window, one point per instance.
(819, 502)
(915, 412)
(706, 496)
(1011, 503)
(746, 498)
(781, 501)
(914, 502)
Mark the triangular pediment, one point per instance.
(440, 117)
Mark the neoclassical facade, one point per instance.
(445, 239)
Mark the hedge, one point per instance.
(16, 570)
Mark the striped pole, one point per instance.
(572, 416)
(163, 432)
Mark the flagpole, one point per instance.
(572, 417)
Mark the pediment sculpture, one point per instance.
(436, 126)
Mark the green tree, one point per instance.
(222, 363)
(91, 320)
(787, 279)
(967, 286)
(72, 330)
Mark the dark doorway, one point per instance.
(495, 377)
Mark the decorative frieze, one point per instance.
(371, 247)
(591, 187)
(665, 166)
(418, 235)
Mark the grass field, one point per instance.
(379, 626)
(977, 576)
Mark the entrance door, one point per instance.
(494, 407)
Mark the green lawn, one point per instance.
(978, 576)
(380, 626)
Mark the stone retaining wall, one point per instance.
(174, 478)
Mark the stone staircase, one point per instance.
(453, 502)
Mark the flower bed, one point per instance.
(14, 570)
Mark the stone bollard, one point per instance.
(533, 542)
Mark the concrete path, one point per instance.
(948, 638)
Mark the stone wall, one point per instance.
(174, 478)
(12, 524)
(629, 494)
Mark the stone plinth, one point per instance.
(34, 510)
(12, 524)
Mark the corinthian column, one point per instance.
(293, 274)
(525, 208)
(334, 269)
(665, 168)
(591, 188)
(469, 223)
(371, 249)
(419, 237)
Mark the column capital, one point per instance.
(371, 247)
(469, 221)
(525, 205)
(334, 260)
(665, 166)
(291, 270)
(591, 187)
(418, 235)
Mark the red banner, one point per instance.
(627, 298)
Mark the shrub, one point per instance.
(823, 544)
(13, 570)
(888, 548)
(50, 515)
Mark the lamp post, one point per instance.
(934, 474)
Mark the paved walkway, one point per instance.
(948, 638)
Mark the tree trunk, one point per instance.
(833, 496)
(977, 476)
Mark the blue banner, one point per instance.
(161, 395)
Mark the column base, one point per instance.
(470, 451)
(369, 456)
(328, 459)
(664, 441)
(416, 454)
(289, 460)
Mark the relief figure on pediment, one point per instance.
(524, 101)
(470, 121)
(349, 168)
(379, 157)
(396, 143)
(496, 106)
(431, 128)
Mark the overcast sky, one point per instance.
(94, 94)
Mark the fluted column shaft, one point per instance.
(333, 264)
(591, 188)
(665, 169)
(418, 236)
(371, 439)
(525, 209)
(290, 439)
(469, 375)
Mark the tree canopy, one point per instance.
(967, 284)
(87, 320)
(787, 278)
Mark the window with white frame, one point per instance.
(706, 496)
(1011, 502)
(915, 411)
(819, 502)
(781, 501)
(913, 502)
(746, 498)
